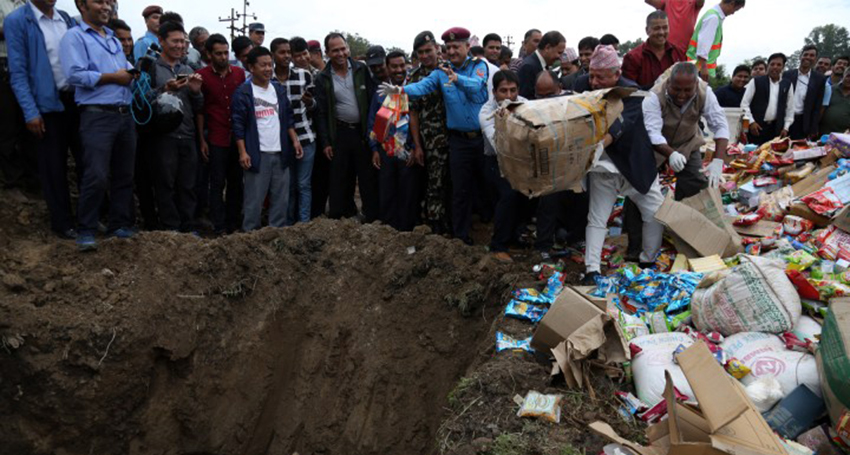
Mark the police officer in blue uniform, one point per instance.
(463, 82)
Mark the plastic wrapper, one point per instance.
(538, 405)
(660, 322)
(657, 412)
(793, 343)
(554, 286)
(531, 295)
(815, 307)
(765, 181)
(823, 202)
(508, 343)
(747, 220)
(630, 326)
(794, 225)
(834, 244)
(648, 290)
(800, 260)
(524, 311)
(737, 369)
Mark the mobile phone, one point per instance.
(134, 71)
(180, 77)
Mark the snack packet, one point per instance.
(545, 407)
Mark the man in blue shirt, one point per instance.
(464, 87)
(94, 64)
(151, 15)
(34, 32)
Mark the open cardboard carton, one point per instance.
(568, 313)
(698, 226)
(726, 422)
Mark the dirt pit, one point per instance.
(326, 338)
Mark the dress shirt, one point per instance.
(488, 124)
(53, 30)
(800, 91)
(86, 56)
(772, 105)
(713, 113)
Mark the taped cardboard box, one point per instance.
(546, 146)
(699, 222)
(598, 339)
(726, 422)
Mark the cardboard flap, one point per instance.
(719, 399)
(605, 430)
(693, 227)
(842, 220)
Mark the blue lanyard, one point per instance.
(105, 41)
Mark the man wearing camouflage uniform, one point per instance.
(428, 127)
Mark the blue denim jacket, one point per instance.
(28, 63)
(244, 123)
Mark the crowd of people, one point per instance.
(181, 127)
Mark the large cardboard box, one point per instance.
(546, 146)
(570, 311)
(699, 222)
(842, 220)
(726, 422)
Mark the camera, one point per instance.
(146, 63)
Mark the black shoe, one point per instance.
(589, 279)
(67, 234)
(646, 265)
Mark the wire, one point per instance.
(141, 88)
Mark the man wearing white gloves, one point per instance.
(625, 167)
(672, 113)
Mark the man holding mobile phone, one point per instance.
(175, 159)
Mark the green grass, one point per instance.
(458, 391)
(509, 444)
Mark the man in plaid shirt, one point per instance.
(299, 86)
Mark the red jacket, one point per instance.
(642, 66)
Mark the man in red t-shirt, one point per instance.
(683, 16)
(646, 62)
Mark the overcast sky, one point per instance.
(762, 27)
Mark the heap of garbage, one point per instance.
(737, 340)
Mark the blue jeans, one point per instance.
(109, 158)
(271, 179)
(301, 193)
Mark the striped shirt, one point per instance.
(299, 82)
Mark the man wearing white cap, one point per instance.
(626, 167)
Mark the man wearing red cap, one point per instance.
(151, 15)
(626, 166)
(464, 87)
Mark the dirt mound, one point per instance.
(329, 338)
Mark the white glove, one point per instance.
(388, 89)
(715, 173)
(677, 161)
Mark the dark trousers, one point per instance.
(466, 163)
(562, 209)
(352, 162)
(689, 183)
(202, 186)
(225, 188)
(18, 161)
(109, 147)
(176, 169)
(320, 183)
(507, 200)
(144, 179)
(798, 129)
(400, 190)
(769, 131)
(62, 132)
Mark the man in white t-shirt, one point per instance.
(264, 127)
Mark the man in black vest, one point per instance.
(809, 86)
(769, 103)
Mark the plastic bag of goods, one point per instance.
(546, 146)
(656, 357)
(766, 356)
(834, 366)
(754, 296)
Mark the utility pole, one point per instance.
(509, 41)
(235, 17)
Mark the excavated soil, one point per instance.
(324, 338)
